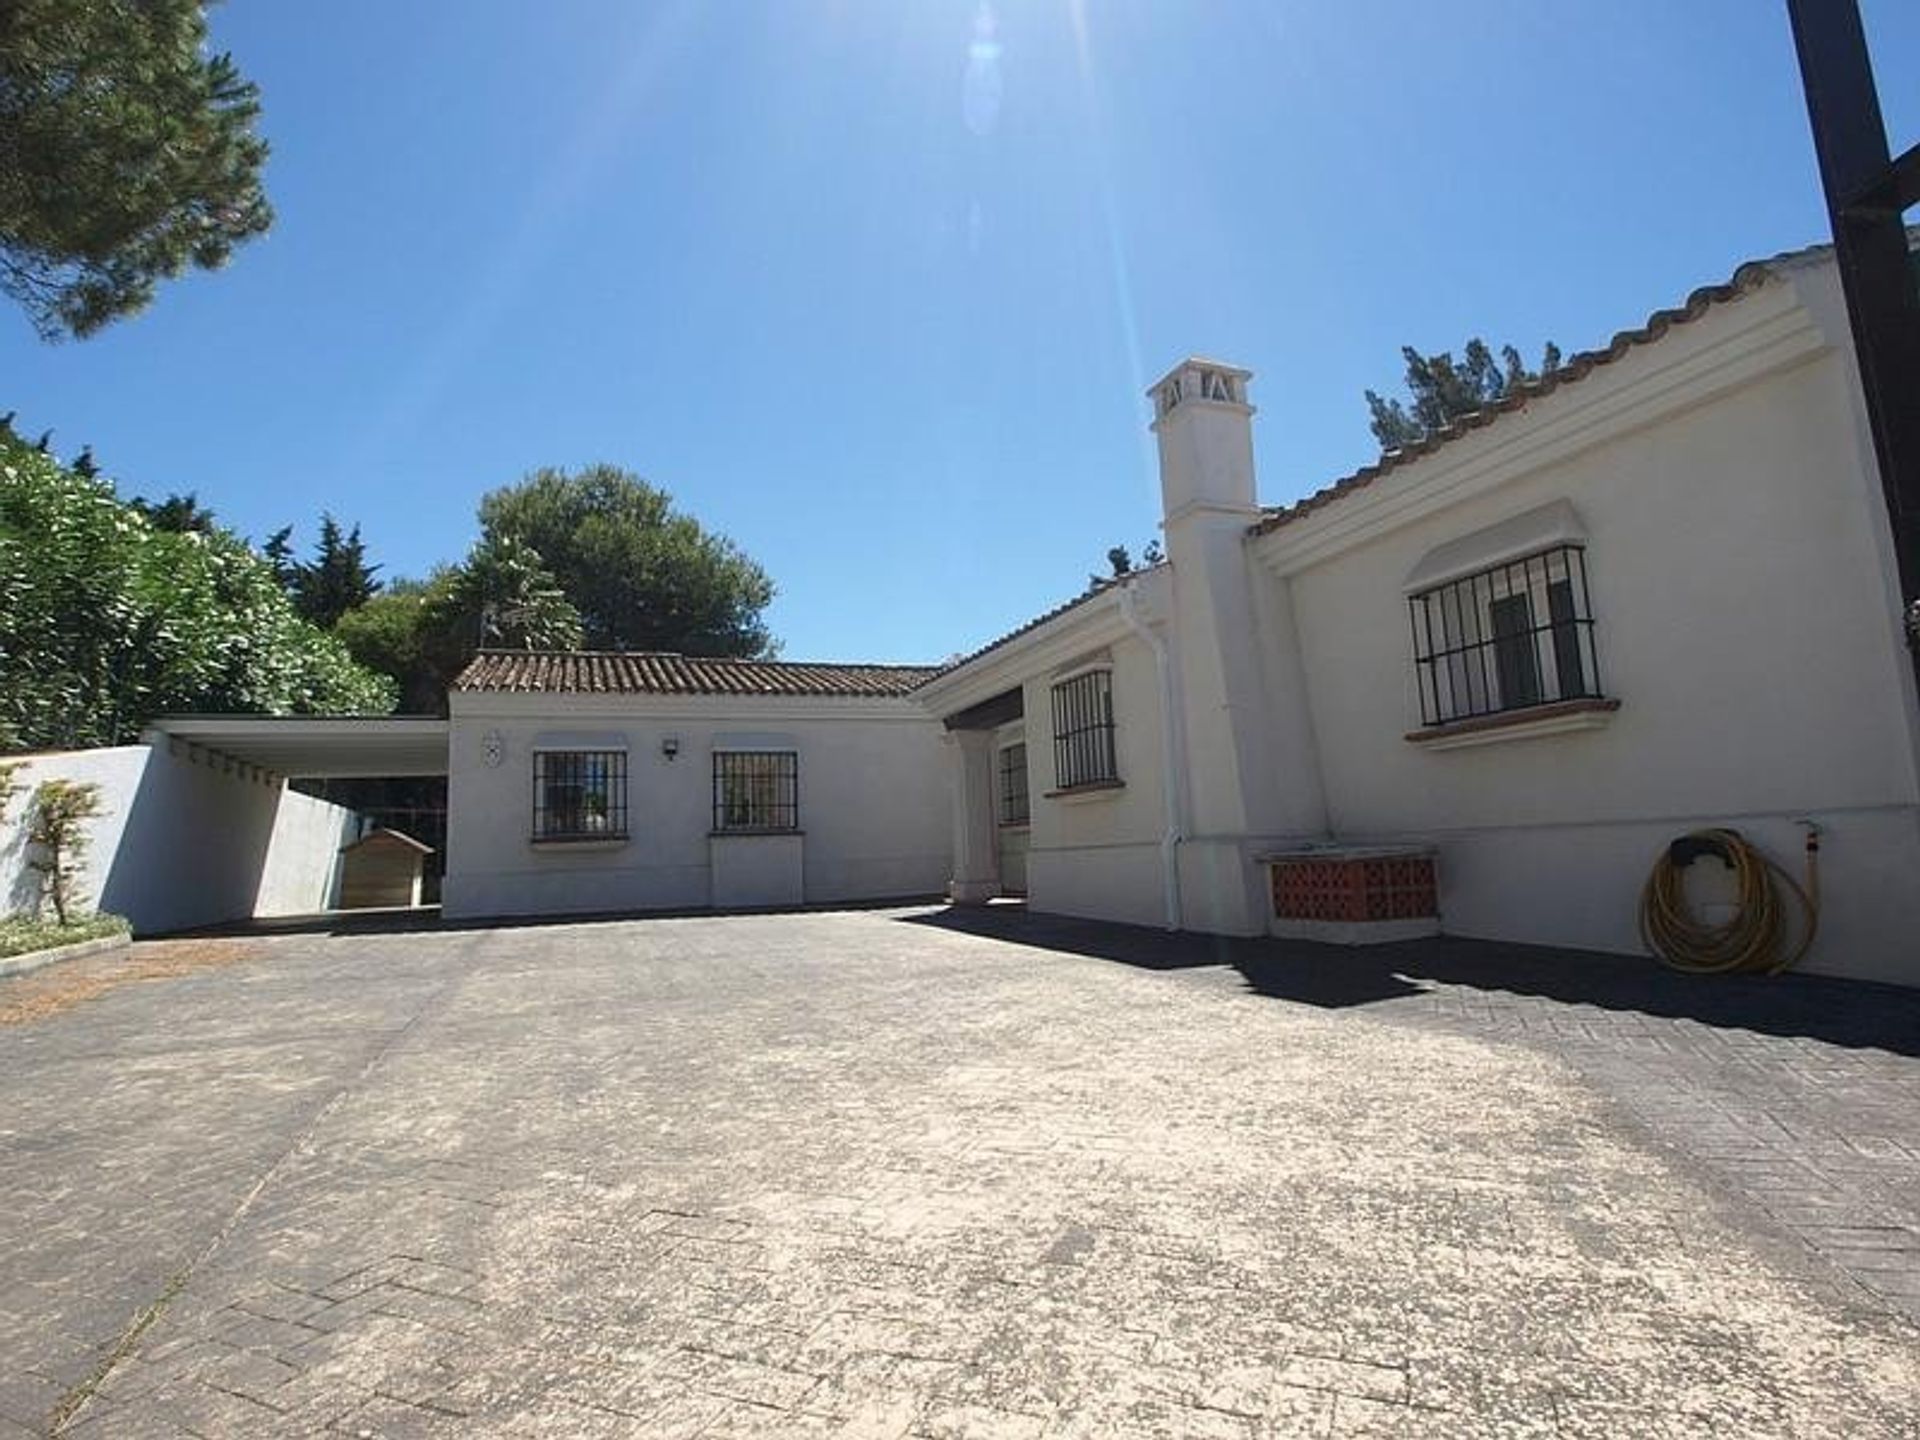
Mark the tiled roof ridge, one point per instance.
(703, 659)
(1747, 278)
(655, 672)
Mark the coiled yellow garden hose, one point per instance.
(1756, 938)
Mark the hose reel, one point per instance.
(1759, 937)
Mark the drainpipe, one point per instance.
(1170, 774)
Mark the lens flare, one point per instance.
(980, 91)
(1122, 278)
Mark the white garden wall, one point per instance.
(302, 870)
(185, 839)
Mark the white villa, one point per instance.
(1477, 688)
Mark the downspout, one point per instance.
(1170, 773)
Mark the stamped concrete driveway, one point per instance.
(883, 1174)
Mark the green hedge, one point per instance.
(21, 936)
(107, 621)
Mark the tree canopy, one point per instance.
(127, 154)
(1120, 563)
(178, 513)
(643, 575)
(337, 579)
(422, 634)
(107, 620)
(1442, 390)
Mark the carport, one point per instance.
(312, 747)
(201, 828)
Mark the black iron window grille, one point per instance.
(756, 790)
(1506, 638)
(1083, 730)
(579, 794)
(1015, 808)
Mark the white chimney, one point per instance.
(1241, 759)
(1205, 427)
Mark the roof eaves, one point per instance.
(1744, 281)
(1104, 587)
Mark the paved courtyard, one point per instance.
(894, 1173)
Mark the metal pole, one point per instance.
(1868, 193)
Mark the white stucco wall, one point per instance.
(302, 870)
(872, 793)
(1742, 612)
(185, 840)
(1099, 854)
(751, 871)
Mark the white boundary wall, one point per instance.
(185, 840)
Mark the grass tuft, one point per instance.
(22, 936)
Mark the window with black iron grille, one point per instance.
(579, 794)
(1083, 730)
(1014, 807)
(1506, 638)
(756, 790)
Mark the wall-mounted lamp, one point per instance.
(670, 746)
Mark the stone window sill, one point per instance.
(577, 842)
(1092, 790)
(1559, 718)
(747, 833)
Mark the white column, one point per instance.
(976, 870)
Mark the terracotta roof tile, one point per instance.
(607, 672)
(1748, 278)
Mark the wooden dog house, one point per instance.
(382, 869)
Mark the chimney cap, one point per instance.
(1208, 383)
(1201, 362)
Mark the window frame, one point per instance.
(1505, 639)
(1013, 802)
(600, 774)
(1085, 751)
(775, 812)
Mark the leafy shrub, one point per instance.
(107, 621)
(56, 831)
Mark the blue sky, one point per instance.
(873, 286)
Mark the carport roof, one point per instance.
(314, 746)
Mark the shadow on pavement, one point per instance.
(1839, 1012)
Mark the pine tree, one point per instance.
(1442, 390)
(128, 154)
(181, 514)
(278, 552)
(338, 578)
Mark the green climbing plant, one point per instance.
(57, 833)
